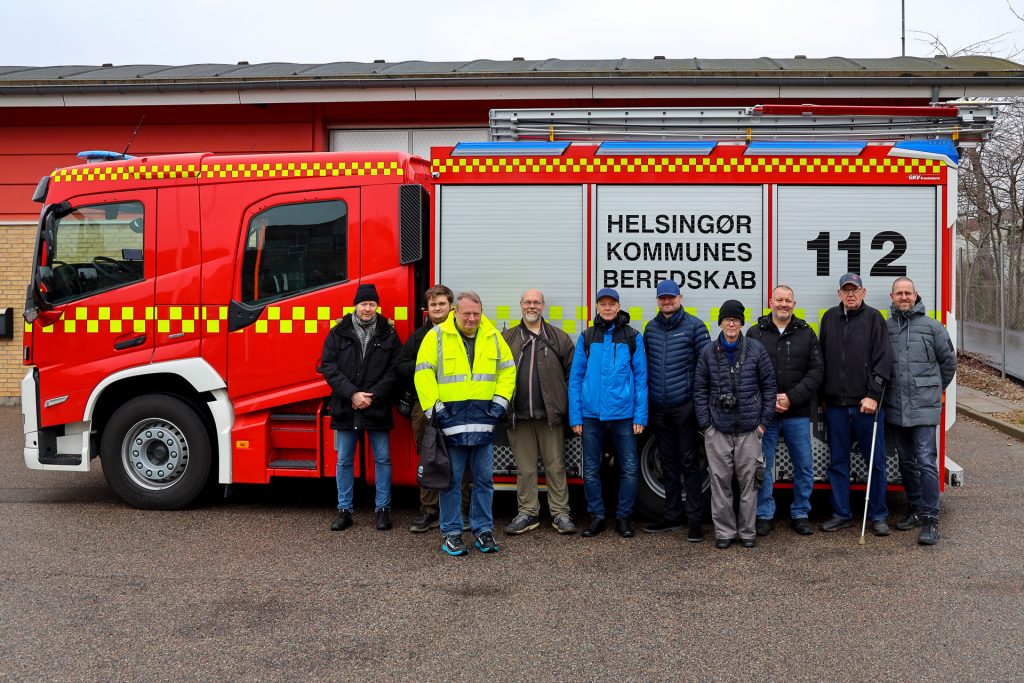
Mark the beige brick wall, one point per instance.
(16, 242)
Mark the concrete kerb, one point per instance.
(1002, 425)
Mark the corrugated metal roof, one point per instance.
(968, 67)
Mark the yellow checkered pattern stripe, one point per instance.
(185, 320)
(98, 173)
(677, 165)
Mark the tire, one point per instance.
(650, 494)
(156, 453)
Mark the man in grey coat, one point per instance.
(923, 365)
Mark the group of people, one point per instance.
(739, 393)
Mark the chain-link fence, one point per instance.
(990, 305)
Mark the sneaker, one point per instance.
(522, 523)
(454, 545)
(909, 522)
(763, 527)
(880, 528)
(423, 521)
(342, 521)
(695, 533)
(835, 523)
(748, 542)
(723, 543)
(563, 525)
(382, 518)
(595, 527)
(929, 534)
(663, 526)
(803, 526)
(485, 543)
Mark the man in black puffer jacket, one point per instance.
(793, 348)
(674, 340)
(359, 363)
(734, 398)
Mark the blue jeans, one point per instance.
(919, 466)
(625, 449)
(844, 423)
(797, 432)
(480, 460)
(345, 442)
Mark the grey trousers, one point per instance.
(530, 439)
(729, 455)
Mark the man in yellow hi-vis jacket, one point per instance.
(469, 399)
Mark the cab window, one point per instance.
(94, 248)
(294, 248)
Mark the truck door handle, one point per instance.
(130, 343)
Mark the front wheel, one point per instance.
(650, 495)
(156, 453)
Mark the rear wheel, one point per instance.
(156, 453)
(650, 495)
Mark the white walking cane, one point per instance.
(871, 465)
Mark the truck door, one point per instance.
(97, 272)
(297, 271)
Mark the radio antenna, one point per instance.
(134, 133)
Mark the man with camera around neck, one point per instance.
(734, 396)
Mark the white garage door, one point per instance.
(416, 141)
(502, 240)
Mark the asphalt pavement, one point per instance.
(257, 588)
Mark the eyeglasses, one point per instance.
(732, 321)
(532, 302)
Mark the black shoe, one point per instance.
(663, 526)
(803, 526)
(748, 542)
(836, 523)
(764, 526)
(485, 543)
(929, 534)
(454, 545)
(342, 521)
(624, 528)
(595, 527)
(909, 522)
(563, 525)
(423, 521)
(880, 528)
(382, 517)
(521, 524)
(695, 533)
(723, 543)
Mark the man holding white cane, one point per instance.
(858, 363)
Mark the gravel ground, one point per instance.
(256, 587)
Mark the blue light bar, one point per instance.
(97, 155)
(489, 149)
(945, 148)
(656, 147)
(847, 148)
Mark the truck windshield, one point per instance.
(91, 249)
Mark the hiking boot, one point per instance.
(624, 528)
(763, 527)
(803, 526)
(454, 545)
(342, 521)
(929, 534)
(695, 533)
(382, 518)
(835, 523)
(880, 528)
(909, 522)
(521, 524)
(485, 543)
(595, 527)
(563, 525)
(423, 521)
(663, 526)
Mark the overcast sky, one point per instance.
(316, 31)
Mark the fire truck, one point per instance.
(178, 303)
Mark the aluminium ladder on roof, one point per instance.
(967, 124)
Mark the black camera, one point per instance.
(727, 402)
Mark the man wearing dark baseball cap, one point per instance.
(857, 355)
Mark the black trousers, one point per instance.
(675, 434)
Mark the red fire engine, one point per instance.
(178, 304)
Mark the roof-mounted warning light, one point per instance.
(95, 156)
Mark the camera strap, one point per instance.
(735, 367)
